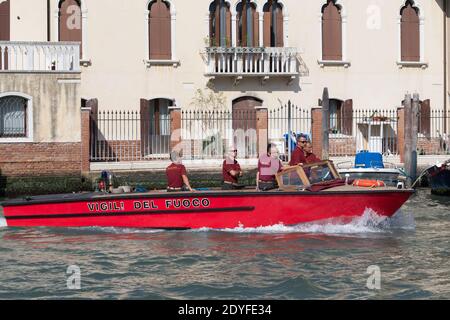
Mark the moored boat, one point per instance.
(306, 193)
(370, 165)
(438, 177)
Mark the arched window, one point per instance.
(247, 24)
(13, 117)
(410, 32)
(273, 24)
(220, 24)
(70, 22)
(159, 29)
(331, 32)
(4, 21)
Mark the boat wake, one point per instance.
(370, 222)
(3, 223)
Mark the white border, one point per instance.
(30, 124)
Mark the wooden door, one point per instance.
(244, 126)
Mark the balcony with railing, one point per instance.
(52, 57)
(262, 62)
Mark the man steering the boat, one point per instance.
(231, 171)
(310, 157)
(177, 179)
(298, 155)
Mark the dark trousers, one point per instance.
(231, 186)
(267, 185)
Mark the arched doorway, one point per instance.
(155, 127)
(245, 138)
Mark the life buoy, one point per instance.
(369, 183)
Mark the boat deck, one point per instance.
(213, 192)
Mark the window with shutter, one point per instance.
(70, 21)
(220, 24)
(273, 24)
(4, 32)
(247, 24)
(159, 28)
(410, 32)
(331, 32)
(4, 21)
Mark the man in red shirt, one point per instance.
(177, 179)
(231, 171)
(298, 155)
(309, 155)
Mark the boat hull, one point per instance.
(200, 210)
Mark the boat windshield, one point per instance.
(319, 173)
(301, 177)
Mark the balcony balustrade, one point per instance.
(242, 62)
(55, 57)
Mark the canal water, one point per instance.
(406, 257)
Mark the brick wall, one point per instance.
(28, 159)
(430, 146)
(342, 147)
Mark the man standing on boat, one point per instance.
(231, 171)
(310, 157)
(298, 155)
(268, 166)
(177, 179)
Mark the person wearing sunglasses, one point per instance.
(298, 154)
(231, 171)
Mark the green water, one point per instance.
(310, 261)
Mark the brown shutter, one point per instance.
(145, 126)
(160, 31)
(217, 31)
(410, 34)
(331, 33)
(5, 21)
(66, 20)
(425, 118)
(229, 40)
(244, 24)
(267, 29)
(347, 117)
(255, 28)
(279, 37)
(4, 31)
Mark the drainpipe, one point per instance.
(48, 21)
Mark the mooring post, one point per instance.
(289, 130)
(325, 124)
(414, 135)
(408, 138)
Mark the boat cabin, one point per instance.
(302, 177)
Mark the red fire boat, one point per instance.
(306, 193)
